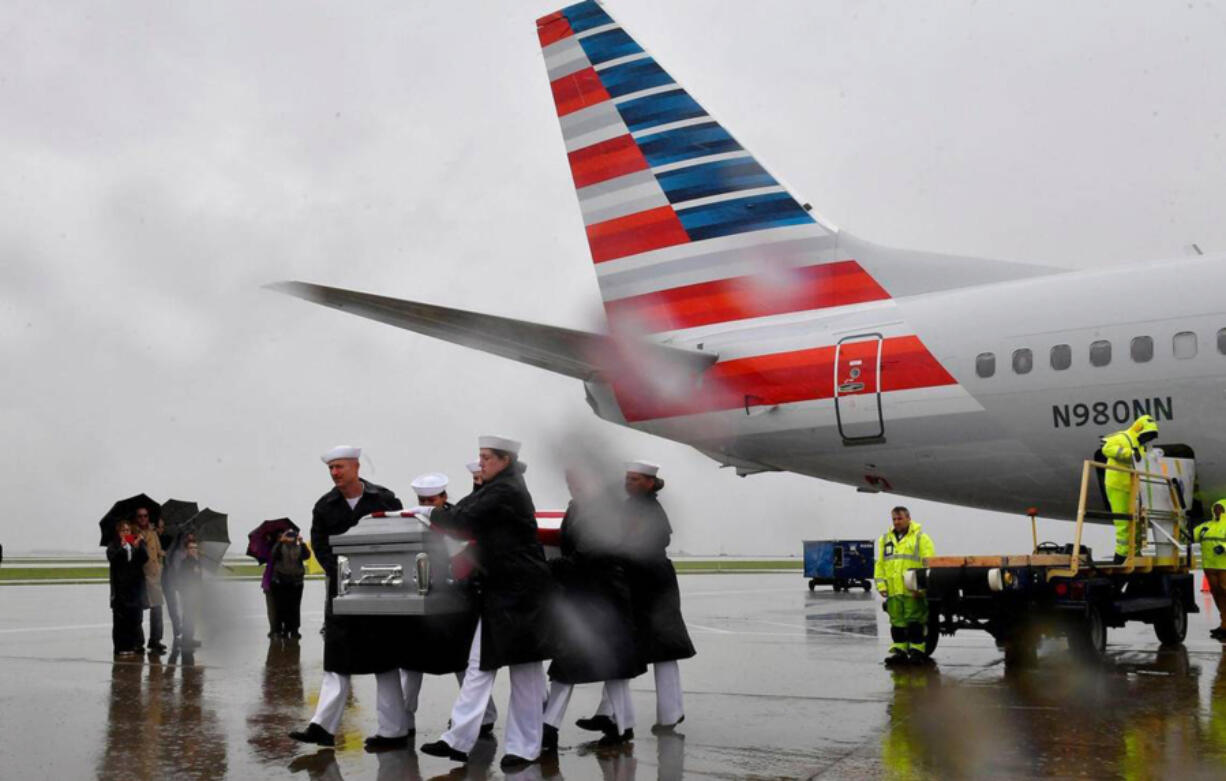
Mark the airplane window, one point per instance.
(1221, 341)
(1062, 356)
(1100, 352)
(985, 364)
(1142, 349)
(1023, 361)
(1185, 344)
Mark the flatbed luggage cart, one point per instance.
(1059, 590)
(839, 563)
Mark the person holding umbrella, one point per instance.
(288, 570)
(260, 543)
(126, 556)
(153, 578)
(352, 644)
(513, 585)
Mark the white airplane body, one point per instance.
(761, 335)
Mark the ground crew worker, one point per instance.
(1126, 449)
(903, 548)
(1212, 539)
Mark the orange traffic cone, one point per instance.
(1204, 583)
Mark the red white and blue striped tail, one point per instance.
(686, 227)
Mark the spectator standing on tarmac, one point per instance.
(903, 548)
(153, 578)
(511, 595)
(437, 644)
(656, 598)
(169, 593)
(352, 644)
(189, 579)
(126, 557)
(593, 611)
(1212, 538)
(288, 570)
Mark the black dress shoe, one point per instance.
(597, 724)
(441, 748)
(613, 739)
(549, 739)
(514, 762)
(487, 731)
(314, 734)
(664, 729)
(378, 742)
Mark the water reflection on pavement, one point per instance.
(786, 684)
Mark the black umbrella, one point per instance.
(125, 509)
(212, 535)
(176, 513)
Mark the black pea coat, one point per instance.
(438, 644)
(592, 610)
(661, 632)
(127, 576)
(353, 645)
(512, 580)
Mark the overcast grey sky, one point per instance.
(162, 161)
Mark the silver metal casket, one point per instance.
(394, 565)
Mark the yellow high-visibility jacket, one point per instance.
(894, 557)
(1122, 449)
(1210, 535)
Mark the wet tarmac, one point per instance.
(787, 684)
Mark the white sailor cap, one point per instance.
(429, 484)
(341, 452)
(474, 467)
(642, 468)
(498, 443)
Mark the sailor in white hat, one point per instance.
(512, 602)
(431, 491)
(474, 469)
(345, 653)
(656, 597)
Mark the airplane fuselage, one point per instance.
(1008, 441)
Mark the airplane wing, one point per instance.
(578, 354)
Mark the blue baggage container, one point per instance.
(839, 563)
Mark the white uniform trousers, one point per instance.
(524, 719)
(333, 691)
(670, 705)
(389, 703)
(616, 693)
(410, 682)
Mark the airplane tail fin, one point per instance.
(686, 228)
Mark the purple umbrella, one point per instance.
(261, 539)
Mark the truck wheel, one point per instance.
(933, 635)
(866, 586)
(1087, 637)
(1172, 628)
(1022, 649)
(812, 584)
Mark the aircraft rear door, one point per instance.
(857, 389)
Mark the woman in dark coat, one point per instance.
(593, 615)
(659, 628)
(511, 583)
(126, 556)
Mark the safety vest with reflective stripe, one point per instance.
(1210, 535)
(895, 556)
